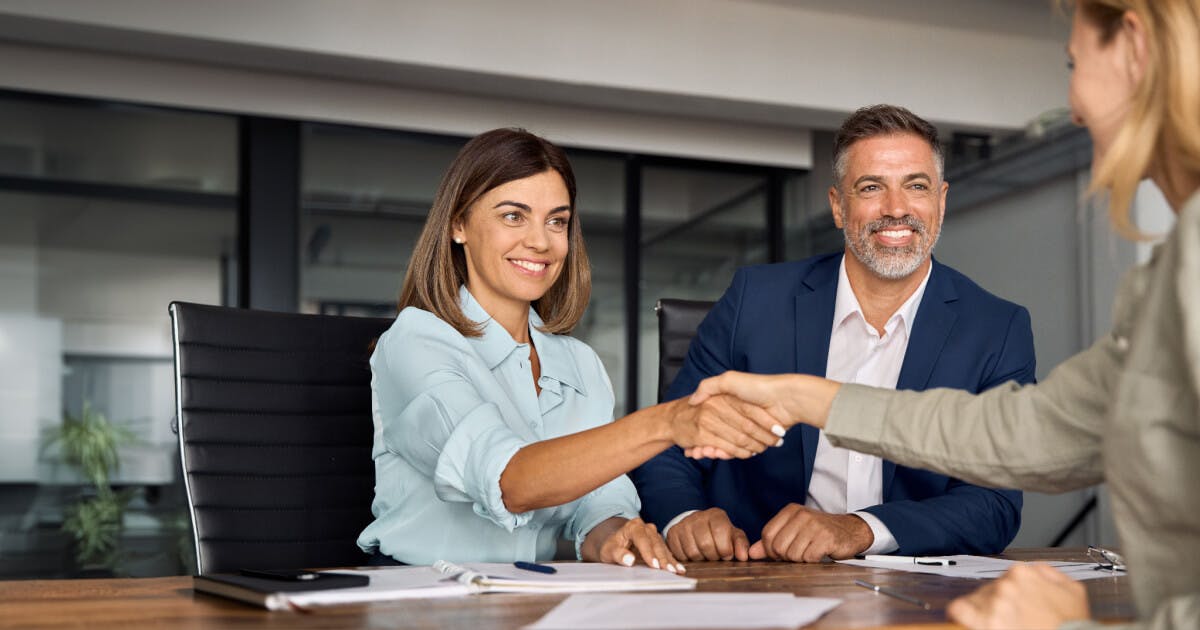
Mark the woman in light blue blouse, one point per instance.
(493, 429)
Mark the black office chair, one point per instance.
(677, 324)
(275, 431)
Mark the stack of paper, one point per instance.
(981, 567)
(569, 577)
(455, 580)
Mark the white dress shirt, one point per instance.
(845, 481)
(451, 411)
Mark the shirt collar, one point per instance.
(495, 345)
(846, 303)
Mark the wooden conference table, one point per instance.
(169, 602)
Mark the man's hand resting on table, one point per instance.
(801, 534)
(708, 535)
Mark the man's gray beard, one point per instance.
(891, 263)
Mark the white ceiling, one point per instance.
(799, 63)
(1028, 18)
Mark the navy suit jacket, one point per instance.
(777, 319)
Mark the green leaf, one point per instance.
(90, 442)
(95, 524)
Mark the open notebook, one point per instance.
(452, 580)
(571, 577)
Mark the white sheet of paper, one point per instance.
(644, 611)
(386, 584)
(981, 567)
(577, 577)
(421, 581)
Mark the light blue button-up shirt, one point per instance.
(450, 411)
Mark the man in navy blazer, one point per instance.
(894, 318)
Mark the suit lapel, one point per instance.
(814, 316)
(930, 330)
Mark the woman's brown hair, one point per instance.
(1163, 123)
(438, 266)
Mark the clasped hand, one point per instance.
(795, 534)
(723, 427)
(779, 400)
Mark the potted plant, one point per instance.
(89, 443)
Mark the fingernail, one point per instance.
(627, 559)
(780, 442)
(682, 569)
(654, 563)
(778, 430)
(671, 568)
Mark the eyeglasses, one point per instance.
(1106, 560)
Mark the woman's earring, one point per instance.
(458, 239)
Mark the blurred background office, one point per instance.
(282, 154)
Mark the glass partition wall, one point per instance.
(107, 213)
(364, 197)
(600, 201)
(110, 211)
(698, 227)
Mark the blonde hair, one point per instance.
(1163, 123)
(438, 266)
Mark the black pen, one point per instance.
(929, 561)
(890, 593)
(533, 566)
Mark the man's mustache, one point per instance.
(909, 221)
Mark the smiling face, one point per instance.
(516, 240)
(890, 204)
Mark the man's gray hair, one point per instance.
(881, 120)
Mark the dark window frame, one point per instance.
(270, 153)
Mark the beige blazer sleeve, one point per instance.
(1177, 613)
(1043, 437)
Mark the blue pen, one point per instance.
(533, 566)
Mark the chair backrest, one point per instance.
(274, 419)
(677, 324)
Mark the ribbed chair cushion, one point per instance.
(677, 324)
(274, 421)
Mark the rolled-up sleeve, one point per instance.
(615, 498)
(471, 462)
(440, 425)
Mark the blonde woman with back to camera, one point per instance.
(1125, 411)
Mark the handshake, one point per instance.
(739, 415)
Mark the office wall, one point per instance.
(1153, 217)
(321, 99)
(1025, 247)
(732, 80)
(1049, 249)
(766, 61)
